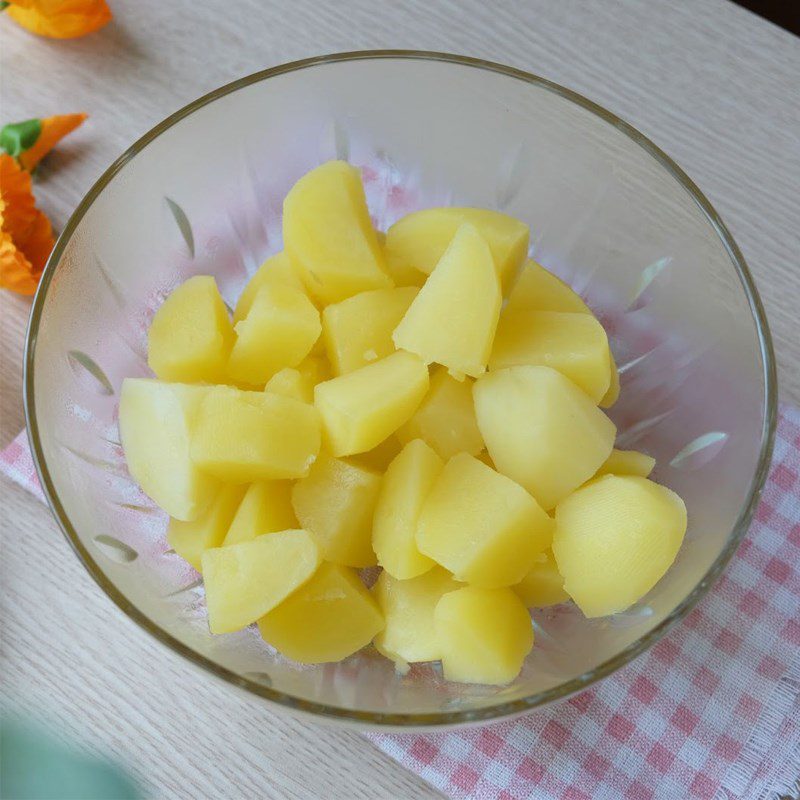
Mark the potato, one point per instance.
(329, 237)
(155, 420)
(483, 635)
(408, 607)
(543, 585)
(480, 525)
(358, 331)
(574, 344)
(452, 320)
(328, 619)
(279, 331)
(265, 508)
(626, 462)
(315, 368)
(541, 430)
(247, 580)
(446, 418)
(405, 486)
(379, 458)
(336, 503)
(241, 437)
(362, 408)
(612, 395)
(419, 240)
(276, 269)
(289, 382)
(190, 337)
(540, 290)
(615, 538)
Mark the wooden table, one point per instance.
(713, 85)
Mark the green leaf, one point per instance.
(4, 5)
(17, 137)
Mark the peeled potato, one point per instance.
(276, 269)
(627, 462)
(543, 585)
(480, 525)
(453, 318)
(540, 290)
(541, 430)
(328, 619)
(408, 607)
(406, 484)
(328, 235)
(265, 508)
(289, 382)
(612, 394)
(245, 581)
(483, 634)
(190, 337)
(614, 540)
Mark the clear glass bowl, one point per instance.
(202, 192)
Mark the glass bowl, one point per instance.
(609, 212)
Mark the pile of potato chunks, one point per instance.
(372, 402)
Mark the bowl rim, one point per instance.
(383, 720)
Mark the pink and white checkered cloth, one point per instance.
(710, 712)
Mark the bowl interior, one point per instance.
(202, 195)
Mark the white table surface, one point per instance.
(715, 86)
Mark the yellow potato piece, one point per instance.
(265, 508)
(155, 420)
(574, 344)
(289, 382)
(362, 408)
(540, 290)
(408, 607)
(541, 430)
(358, 331)
(315, 369)
(328, 619)
(483, 634)
(406, 484)
(418, 240)
(480, 525)
(276, 269)
(446, 418)
(452, 320)
(190, 337)
(336, 503)
(379, 458)
(279, 331)
(627, 462)
(241, 437)
(329, 237)
(247, 580)
(543, 585)
(190, 539)
(612, 395)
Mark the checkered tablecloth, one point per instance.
(711, 711)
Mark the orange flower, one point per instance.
(59, 19)
(33, 139)
(26, 237)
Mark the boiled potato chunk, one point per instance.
(483, 634)
(265, 508)
(190, 539)
(615, 538)
(358, 331)
(336, 503)
(243, 437)
(543, 585)
(612, 395)
(574, 344)
(419, 240)
(328, 619)
(276, 269)
(191, 336)
(452, 320)
(362, 408)
(329, 237)
(289, 382)
(247, 580)
(155, 422)
(279, 331)
(541, 430)
(380, 457)
(480, 525)
(406, 484)
(408, 607)
(446, 418)
(540, 290)
(627, 462)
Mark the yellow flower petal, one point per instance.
(60, 19)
